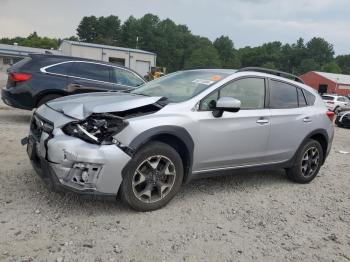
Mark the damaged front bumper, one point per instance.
(69, 163)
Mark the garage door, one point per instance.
(142, 67)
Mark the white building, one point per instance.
(139, 60)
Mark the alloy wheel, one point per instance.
(310, 162)
(154, 179)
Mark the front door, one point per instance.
(235, 139)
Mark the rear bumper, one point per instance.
(15, 100)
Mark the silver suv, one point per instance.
(144, 144)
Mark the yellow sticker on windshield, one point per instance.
(215, 78)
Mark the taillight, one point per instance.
(330, 115)
(19, 77)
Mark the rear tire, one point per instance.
(152, 177)
(47, 98)
(307, 164)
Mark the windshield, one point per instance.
(181, 86)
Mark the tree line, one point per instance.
(177, 48)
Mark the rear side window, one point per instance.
(283, 95)
(90, 71)
(62, 69)
(301, 98)
(126, 78)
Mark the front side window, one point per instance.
(282, 95)
(250, 91)
(126, 78)
(90, 71)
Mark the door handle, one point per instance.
(262, 121)
(307, 119)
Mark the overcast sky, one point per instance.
(246, 22)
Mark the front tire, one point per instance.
(307, 164)
(152, 178)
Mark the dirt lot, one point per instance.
(239, 218)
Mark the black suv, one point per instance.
(39, 78)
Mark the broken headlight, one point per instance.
(97, 128)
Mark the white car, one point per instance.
(334, 102)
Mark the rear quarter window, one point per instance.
(62, 69)
(310, 98)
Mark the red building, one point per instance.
(328, 82)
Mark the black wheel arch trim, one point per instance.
(179, 132)
(322, 132)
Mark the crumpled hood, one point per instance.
(82, 105)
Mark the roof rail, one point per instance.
(273, 72)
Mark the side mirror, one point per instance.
(229, 104)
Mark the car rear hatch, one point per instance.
(18, 73)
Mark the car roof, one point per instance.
(214, 70)
(74, 58)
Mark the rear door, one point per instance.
(291, 120)
(89, 77)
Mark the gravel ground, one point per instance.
(245, 217)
